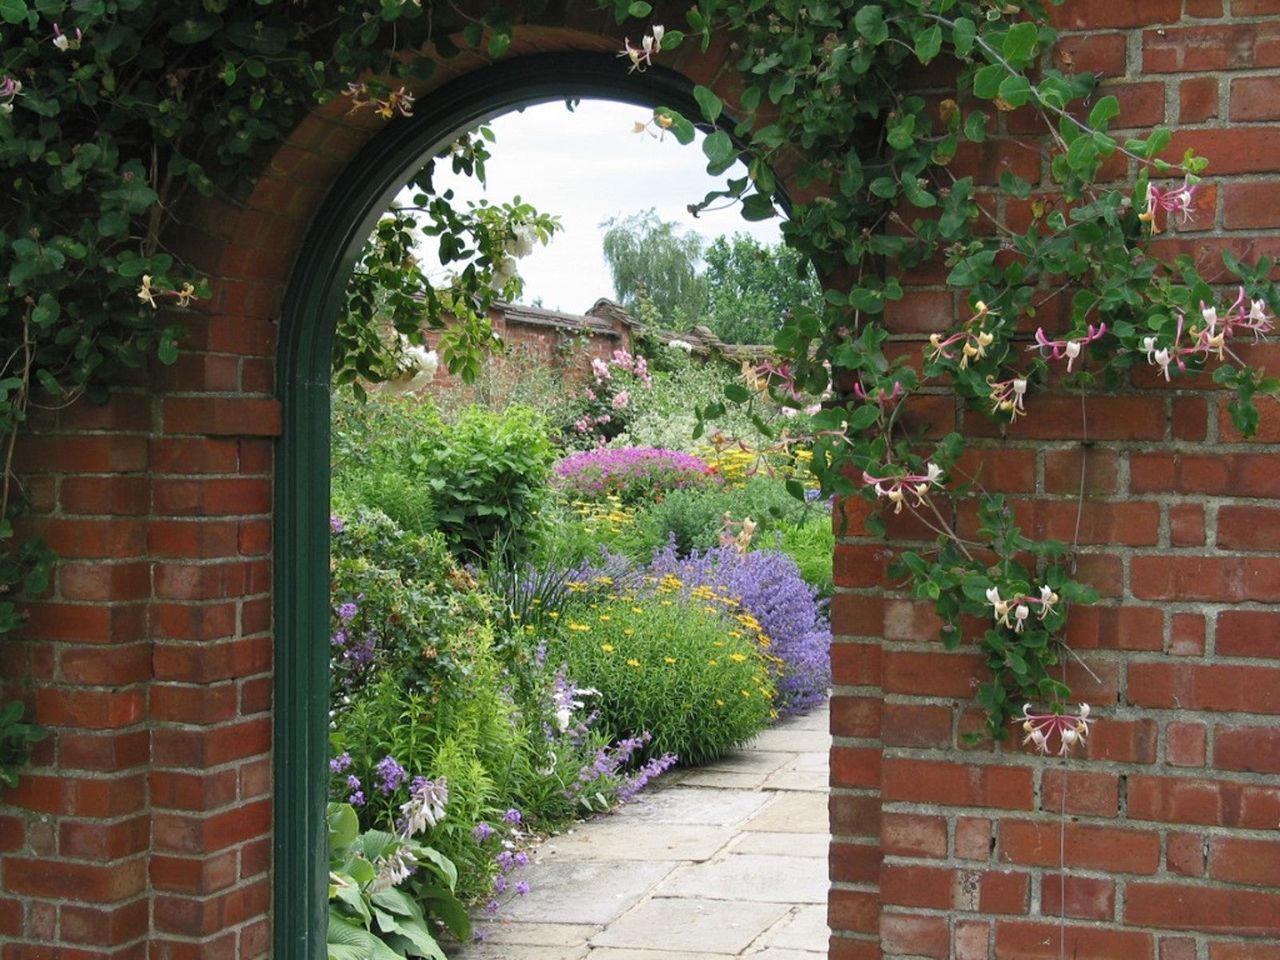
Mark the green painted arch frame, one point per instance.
(359, 195)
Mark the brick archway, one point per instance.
(144, 828)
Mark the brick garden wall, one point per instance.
(1171, 844)
(143, 828)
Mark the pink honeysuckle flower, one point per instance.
(881, 395)
(1177, 200)
(1042, 727)
(10, 90)
(972, 341)
(1007, 396)
(897, 489)
(65, 42)
(1013, 612)
(1069, 349)
(642, 56)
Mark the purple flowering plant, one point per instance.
(768, 586)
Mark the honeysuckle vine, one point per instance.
(113, 116)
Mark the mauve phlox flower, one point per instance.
(390, 775)
(1042, 727)
(481, 832)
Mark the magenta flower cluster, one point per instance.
(631, 473)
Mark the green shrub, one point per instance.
(695, 518)
(811, 545)
(673, 667)
(489, 475)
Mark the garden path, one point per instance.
(720, 862)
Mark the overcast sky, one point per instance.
(587, 166)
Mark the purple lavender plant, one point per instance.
(769, 587)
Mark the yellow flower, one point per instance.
(713, 663)
(627, 631)
(637, 609)
(604, 616)
(632, 662)
(667, 603)
(735, 633)
(607, 647)
(737, 657)
(580, 627)
(746, 693)
(717, 643)
(553, 614)
(719, 702)
(668, 659)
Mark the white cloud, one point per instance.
(587, 166)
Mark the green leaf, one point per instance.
(1015, 90)
(736, 393)
(885, 187)
(194, 29)
(709, 103)
(1103, 112)
(928, 44)
(639, 9)
(975, 126)
(719, 149)
(963, 33)
(1019, 42)
(13, 11)
(758, 207)
(986, 82)
(498, 44)
(869, 21)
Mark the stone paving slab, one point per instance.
(793, 812)
(585, 891)
(696, 925)
(804, 929)
(802, 773)
(697, 805)
(625, 953)
(500, 951)
(720, 863)
(619, 838)
(725, 780)
(751, 761)
(792, 740)
(539, 934)
(748, 877)
(783, 844)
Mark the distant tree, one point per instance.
(750, 287)
(651, 260)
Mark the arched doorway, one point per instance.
(357, 198)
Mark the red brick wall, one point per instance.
(143, 827)
(541, 346)
(1172, 852)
